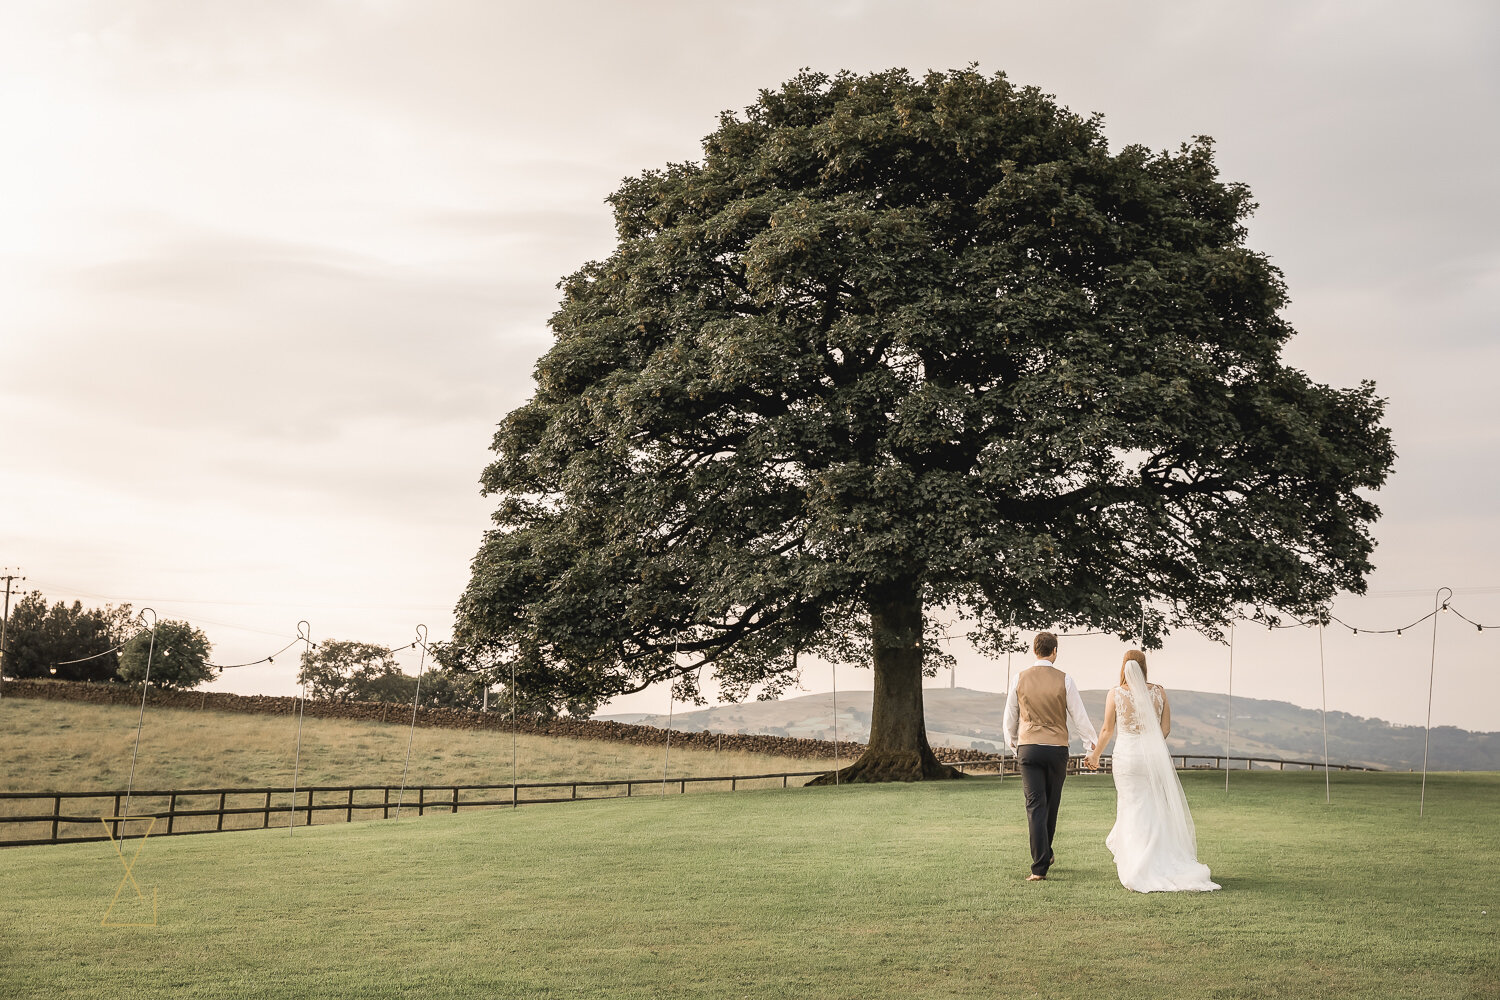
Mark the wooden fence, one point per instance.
(209, 810)
(205, 810)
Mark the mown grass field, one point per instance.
(70, 746)
(853, 892)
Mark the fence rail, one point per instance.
(184, 809)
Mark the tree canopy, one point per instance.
(897, 345)
(177, 653)
(40, 638)
(343, 670)
(340, 670)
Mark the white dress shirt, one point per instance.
(1078, 718)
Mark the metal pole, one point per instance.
(667, 749)
(304, 632)
(1431, 670)
(666, 754)
(412, 732)
(1007, 693)
(835, 724)
(1323, 684)
(140, 721)
(1229, 710)
(514, 794)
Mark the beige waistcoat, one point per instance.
(1042, 703)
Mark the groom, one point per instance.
(1042, 707)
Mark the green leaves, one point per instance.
(40, 641)
(176, 653)
(896, 329)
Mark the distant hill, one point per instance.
(960, 717)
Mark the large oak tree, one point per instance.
(900, 345)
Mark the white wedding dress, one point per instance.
(1153, 840)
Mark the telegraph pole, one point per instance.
(5, 622)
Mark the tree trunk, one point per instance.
(898, 749)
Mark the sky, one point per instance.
(271, 273)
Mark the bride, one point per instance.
(1153, 841)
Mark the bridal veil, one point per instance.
(1154, 841)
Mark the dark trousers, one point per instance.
(1042, 771)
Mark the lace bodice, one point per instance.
(1125, 708)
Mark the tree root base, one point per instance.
(893, 765)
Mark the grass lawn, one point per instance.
(858, 892)
(72, 746)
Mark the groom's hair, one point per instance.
(1045, 644)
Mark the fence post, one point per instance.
(171, 811)
(267, 824)
(421, 799)
(455, 798)
(221, 810)
(309, 807)
(684, 786)
(116, 823)
(575, 790)
(627, 789)
(386, 809)
(349, 815)
(733, 783)
(56, 812)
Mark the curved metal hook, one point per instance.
(304, 632)
(676, 640)
(422, 634)
(142, 617)
(1440, 601)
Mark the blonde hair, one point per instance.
(1137, 656)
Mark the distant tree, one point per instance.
(178, 656)
(39, 638)
(385, 682)
(469, 671)
(342, 670)
(444, 687)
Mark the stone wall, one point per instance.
(450, 718)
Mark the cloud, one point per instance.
(267, 339)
